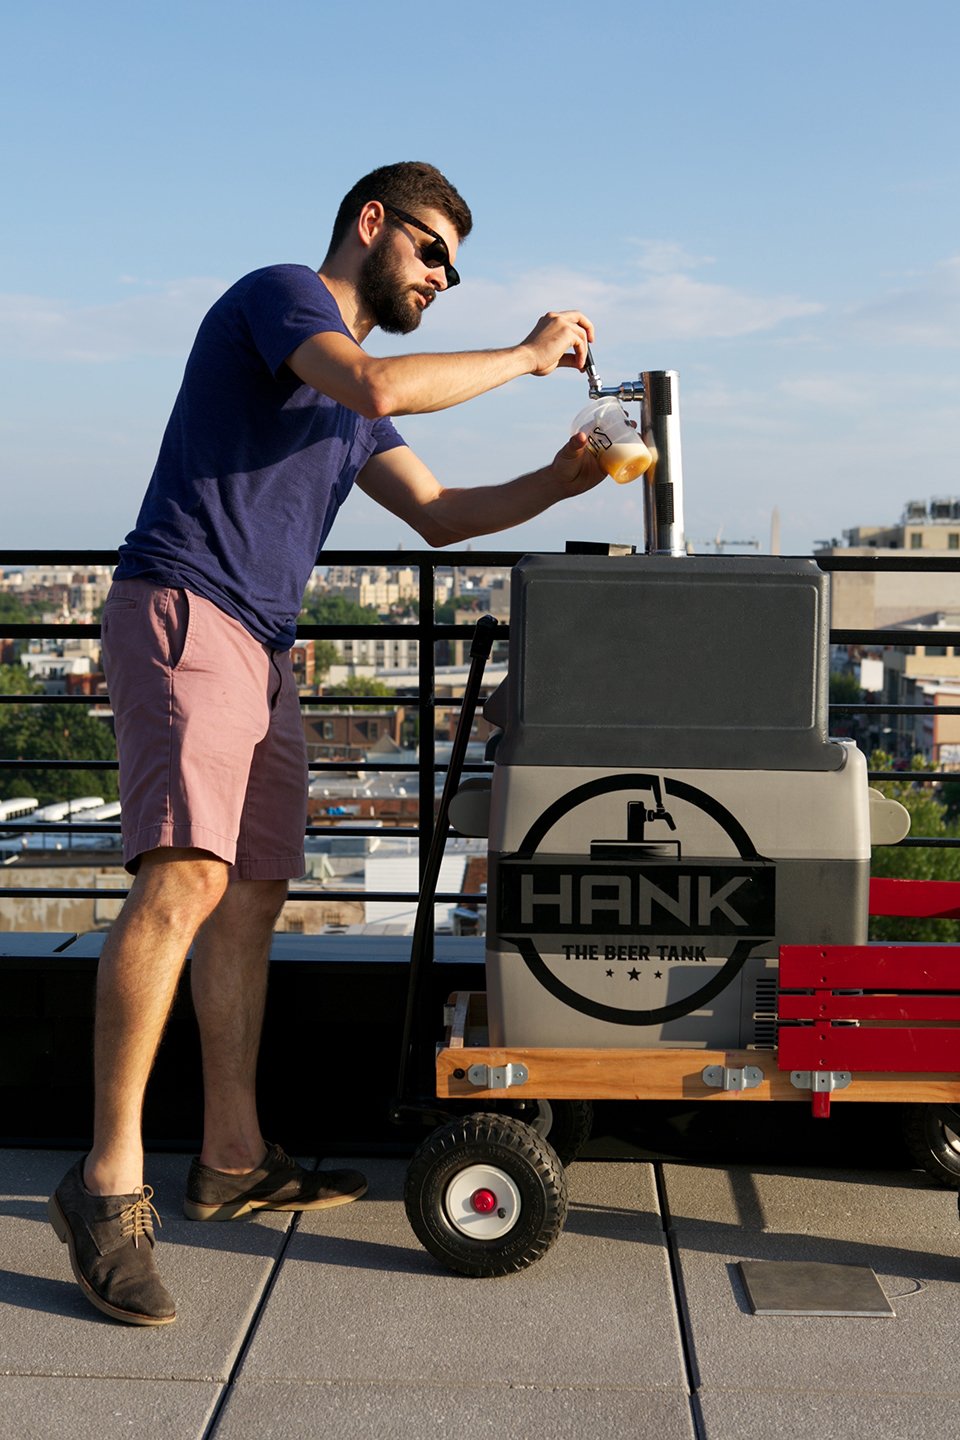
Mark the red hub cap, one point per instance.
(483, 1201)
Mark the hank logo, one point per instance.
(606, 931)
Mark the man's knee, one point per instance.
(186, 882)
(259, 902)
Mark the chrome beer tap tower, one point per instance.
(658, 394)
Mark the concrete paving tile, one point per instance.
(216, 1273)
(732, 1347)
(834, 1219)
(398, 1412)
(358, 1299)
(836, 1203)
(36, 1407)
(733, 1414)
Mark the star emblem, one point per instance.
(634, 974)
(609, 972)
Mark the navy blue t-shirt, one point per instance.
(254, 465)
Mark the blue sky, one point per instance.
(761, 196)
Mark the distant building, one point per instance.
(924, 525)
(62, 589)
(347, 734)
(63, 668)
(925, 674)
(379, 587)
(866, 600)
(303, 660)
(382, 651)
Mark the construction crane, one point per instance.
(719, 544)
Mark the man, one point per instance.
(280, 412)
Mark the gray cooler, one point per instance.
(666, 806)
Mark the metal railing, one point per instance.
(428, 632)
(910, 563)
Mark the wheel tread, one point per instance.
(500, 1139)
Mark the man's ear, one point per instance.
(370, 222)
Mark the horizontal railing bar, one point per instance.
(363, 766)
(47, 630)
(58, 559)
(395, 629)
(346, 766)
(342, 832)
(90, 700)
(66, 629)
(905, 560)
(340, 896)
(318, 702)
(27, 827)
(910, 777)
(58, 765)
(897, 639)
(872, 709)
(409, 559)
(458, 559)
(24, 825)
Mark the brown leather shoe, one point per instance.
(110, 1240)
(278, 1183)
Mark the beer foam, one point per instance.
(624, 462)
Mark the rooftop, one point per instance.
(636, 1323)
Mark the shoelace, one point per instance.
(137, 1218)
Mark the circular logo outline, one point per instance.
(597, 1009)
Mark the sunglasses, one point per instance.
(435, 255)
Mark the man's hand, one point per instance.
(554, 337)
(576, 467)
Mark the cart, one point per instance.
(486, 1192)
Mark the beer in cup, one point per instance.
(613, 439)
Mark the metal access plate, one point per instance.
(806, 1287)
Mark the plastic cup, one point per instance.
(615, 442)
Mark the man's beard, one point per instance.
(391, 302)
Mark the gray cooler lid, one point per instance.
(694, 661)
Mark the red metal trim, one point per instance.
(825, 1005)
(870, 967)
(925, 1051)
(916, 899)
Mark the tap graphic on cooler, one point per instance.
(637, 845)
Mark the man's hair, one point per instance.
(410, 185)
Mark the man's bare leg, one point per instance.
(229, 982)
(173, 893)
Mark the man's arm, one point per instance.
(399, 481)
(415, 384)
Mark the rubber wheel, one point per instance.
(931, 1134)
(486, 1195)
(567, 1124)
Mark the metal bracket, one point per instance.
(822, 1083)
(497, 1077)
(724, 1077)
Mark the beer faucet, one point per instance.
(638, 815)
(626, 390)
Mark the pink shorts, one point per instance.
(211, 746)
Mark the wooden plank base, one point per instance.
(661, 1074)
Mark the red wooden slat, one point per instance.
(916, 899)
(826, 1006)
(870, 967)
(909, 1052)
